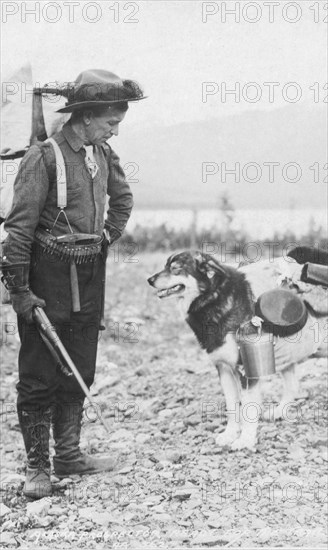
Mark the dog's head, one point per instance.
(189, 275)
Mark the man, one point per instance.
(42, 266)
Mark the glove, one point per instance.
(15, 278)
(23, 303)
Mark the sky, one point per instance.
(171, 48)
(176, 50)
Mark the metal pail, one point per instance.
(257, 353)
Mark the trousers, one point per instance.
(41, 381)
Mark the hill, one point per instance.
(169, 160)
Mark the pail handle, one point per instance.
(257, 322)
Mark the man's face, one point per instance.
(103, 126)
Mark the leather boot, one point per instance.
(35, 426)
(69, 459)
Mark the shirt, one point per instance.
(35, 194)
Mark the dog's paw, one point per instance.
(226, 438)
(244, 442)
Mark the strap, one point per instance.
(61, 175)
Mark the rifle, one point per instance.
(58, 351)
(315, 274)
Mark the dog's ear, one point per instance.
(169, 260)
(214, 268)
(206, 265)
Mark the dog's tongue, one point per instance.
(162, 293)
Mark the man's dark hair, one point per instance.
(99, 110)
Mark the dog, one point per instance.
(216, 300)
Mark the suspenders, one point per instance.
(62, 203)
(61, 175)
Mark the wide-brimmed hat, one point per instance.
(96, 87)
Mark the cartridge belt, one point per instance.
(84, 249)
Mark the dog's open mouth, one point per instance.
(164, 292)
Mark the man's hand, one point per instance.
(23, 303)
(107, 235)
(112, 235)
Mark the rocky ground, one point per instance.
(173, 487)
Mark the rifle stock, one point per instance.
(48, 331)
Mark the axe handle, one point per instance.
(76, 306)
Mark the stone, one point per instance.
(12, 478)
(8, 539)
(39, 507)
(4, 510)
(182, 494)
